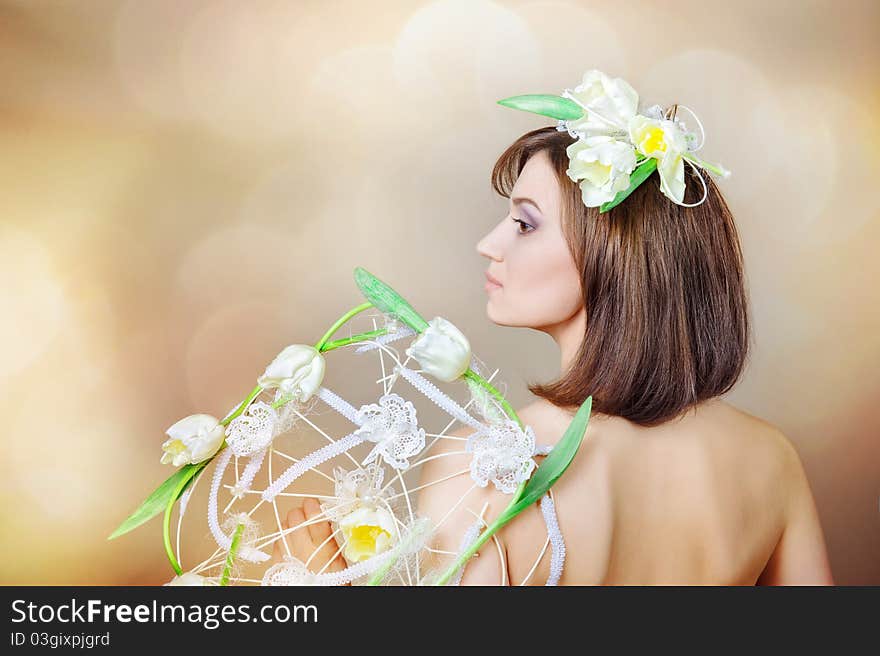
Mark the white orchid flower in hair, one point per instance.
(601, 165)
(601, 113)
(608, 104)
(663, 140)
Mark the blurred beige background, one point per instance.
(187, 187)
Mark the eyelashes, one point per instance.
(522, 224)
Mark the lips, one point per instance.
(492, 279)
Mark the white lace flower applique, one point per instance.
(393, 426)
(290, 571)
(252, 430)
(502, 454)
(356, 488)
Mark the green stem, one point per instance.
(230, 557)
(345, 317)
(474, 376)
(166, 523)
(500, 521)
(329, 346)
(244, 404)
(717, 170)
(283, 400)
(166, 536)
(166, 527)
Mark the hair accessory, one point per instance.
(617, 147)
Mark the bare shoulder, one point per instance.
(582, 499)
(800, 556)
(770, 460)
(454, 503)
(739, 439)
(782, 452)
(758, 438)
(581, 496)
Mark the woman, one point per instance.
(648, 307)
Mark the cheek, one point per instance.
(551, 298)
(543, 287)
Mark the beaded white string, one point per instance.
(557, 556)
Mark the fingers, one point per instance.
(299, 539)
(309, 534)
(278, 551)
(320, 533)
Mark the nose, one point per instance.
(490, 247)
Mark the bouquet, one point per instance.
(382, 539)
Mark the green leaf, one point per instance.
(556, 462)
(545, 105)
(636, 178)
(158, 500)
(387, 300)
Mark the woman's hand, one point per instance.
(304, 541)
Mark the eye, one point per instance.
(522, 224)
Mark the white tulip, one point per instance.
(192, 439)
(367, 532)
(442, 350)
(601, 165)
(298, 371)
(191, 578)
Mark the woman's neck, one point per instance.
(569, 335)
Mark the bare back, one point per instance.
(705, 499)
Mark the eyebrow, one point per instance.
(522, 199)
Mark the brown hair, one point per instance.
(663, 288)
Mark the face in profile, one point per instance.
(539, 284)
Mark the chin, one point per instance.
(490, 314)
(496, 317)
